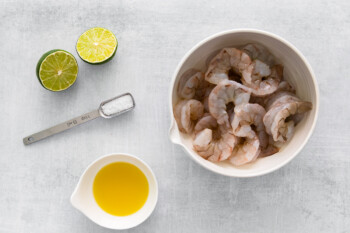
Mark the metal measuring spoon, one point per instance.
(108, 109)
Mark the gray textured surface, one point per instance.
(311, 194)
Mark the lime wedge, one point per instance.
(57, 70)
(97, 45)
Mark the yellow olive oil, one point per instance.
(120, 188)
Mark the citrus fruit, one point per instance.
(97, 45)
(57, 70)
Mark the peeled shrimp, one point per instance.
(284, 97)
(224, 61)
(203, 143)
(206, 122)
(189, 82)
(278, 120)
(186, 113)
(257, 51)
(255, 74)
(212, 141)
(281, 98)
(260, 69)
(247, 115)
(261, 79)
(246, 151)
(284, 86)
(225, 92)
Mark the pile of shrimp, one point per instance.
(241, 108)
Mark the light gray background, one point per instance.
(311, 194)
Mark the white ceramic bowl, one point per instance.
(296, 70)
(83, 199)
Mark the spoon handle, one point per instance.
(61, 127)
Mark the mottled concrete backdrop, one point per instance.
(311, 194)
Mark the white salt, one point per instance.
(117, 105)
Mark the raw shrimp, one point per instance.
(260, 70)
(280, 98)
(256, 71)
(203, 143)
(246, 151)
(224, 145)
(225, 92)
(189, 83)
(278, 120)
(261, 79)
(257, 51)
(212, 141)
(207, 121)
(186, 113)
(218, 67)
(284, 86)
(227, 59)
(246, 116)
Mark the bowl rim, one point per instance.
(233, 31)
(151, 209)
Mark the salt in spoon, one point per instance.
(108, 109)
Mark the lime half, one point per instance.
(57, 70)
(97, 45)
